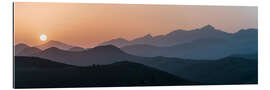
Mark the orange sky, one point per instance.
(85, 25)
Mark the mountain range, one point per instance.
(242, 42)
(173, 38)
(22, 49)
(203, 43)
(191, 44)
(231, 70)
(58, 44)
(205, 56)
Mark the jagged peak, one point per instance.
(52, 49)
(208, 27)
(148, 36)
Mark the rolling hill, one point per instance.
(57, 44)
(31, 72)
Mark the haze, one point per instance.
(87, 25)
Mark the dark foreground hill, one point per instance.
(229, 70)
(31, 72)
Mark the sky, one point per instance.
(87, 25)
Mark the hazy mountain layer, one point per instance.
(173, 38)
(242, 42)
(56, 44)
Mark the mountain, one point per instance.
(119, 42)
(76, 49)
(53, 43)
(98, 55)
(25, 50)
(173, 38)
(28, 51)
(242, 42)
(230, 70)
(19, 47)
(34, 72)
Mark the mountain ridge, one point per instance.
(53, 43)
(242, 42)
(172, 38)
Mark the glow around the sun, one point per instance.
(43, 37)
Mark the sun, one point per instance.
(43, 37)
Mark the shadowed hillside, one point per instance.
(31, 72)
(229, 70)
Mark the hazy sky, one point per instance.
(87, 24)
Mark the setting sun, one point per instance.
(43, 37)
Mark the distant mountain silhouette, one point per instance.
(34, 72)
(76, 49)
(119, 42)
(25, 50)
(53, 43)
(173, 38)
(98, 55)
(29, 51)
(19, 47)
(231, 70)
(242, 42)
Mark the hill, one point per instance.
(31, 72)
(53, 43)
(228, 70)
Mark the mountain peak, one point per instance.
(52, 49)
(20, 47)
(107, 48)
(119, 42)
(208, 27)
(53, 43)
(148, 36)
